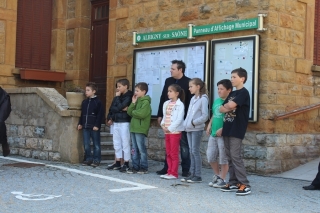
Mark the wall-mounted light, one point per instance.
(134, 38)
(260, 22)
(190, 37)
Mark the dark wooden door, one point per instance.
(99, 46)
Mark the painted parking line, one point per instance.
(137, 186)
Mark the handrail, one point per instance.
(297, 111)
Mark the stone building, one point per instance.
(92, 40)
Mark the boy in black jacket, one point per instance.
(90, 123)
(5, 109)
(121, 120)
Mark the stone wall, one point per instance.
(285, 78)
(40, 126)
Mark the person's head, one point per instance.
(238, 77)
(91, 89)
(178, 68)
(224, 88)
(123, 85)
(175, 92)
(140, 89)
(197, 87)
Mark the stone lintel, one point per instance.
(49, 95)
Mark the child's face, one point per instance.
(172, 94)
(236, 80)
(223, 92)
(121, 88)
(90, 92)
(139, 93)
(193, 88)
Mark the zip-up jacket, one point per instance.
(184, 84)
(197, 114)
(177, 114)
(5, 105)
(91, 113)
(140, 113)
(116, 113)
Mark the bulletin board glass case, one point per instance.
(231, 53)
(152, 65)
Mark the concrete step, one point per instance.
(107, 154)
(105, 136)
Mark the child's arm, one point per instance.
(119, 105)
(204, 113)
(208, 131)
(231, 105)
(142, 112)
(99, 117)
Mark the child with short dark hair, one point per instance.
(90, 123)
(140, 112)
(119, 117)
(172, 125)
(216, 152)
(236, 108)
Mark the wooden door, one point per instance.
(99, 46)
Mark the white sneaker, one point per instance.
(170, 177)
(215, 178)
(162, 176)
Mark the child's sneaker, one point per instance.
(142, 171)
(214, 180)
(186, 179)
(230, 188)
(95, 164)
(87, 163)
(195, 179)
(114, 167)
(170, 177)
(163, 176)
(124, 168)
(220, 183)
(243, 190)
(132, 171)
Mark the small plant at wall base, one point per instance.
(74, 95)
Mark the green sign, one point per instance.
(164, 35)
(225, 27)
(199, 30)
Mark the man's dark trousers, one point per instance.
(316, 181)
(184, 152)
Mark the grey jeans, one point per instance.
(237, 171)
(194, 140)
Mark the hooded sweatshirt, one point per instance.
(197, 114)
(141, 115)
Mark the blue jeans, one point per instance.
(194, 140)
(95, 135)
(184, 153)
(139, 155)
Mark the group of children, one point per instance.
(130, 115)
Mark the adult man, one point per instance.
(315, 185)
(5, 109)
(177, 77)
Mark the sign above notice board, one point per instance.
(192, 30)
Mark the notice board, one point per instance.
(229, 54)
(152, 65)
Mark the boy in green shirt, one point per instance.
(140, 111)
(216, 144)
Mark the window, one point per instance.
(33, 45)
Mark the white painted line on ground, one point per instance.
(138, 186)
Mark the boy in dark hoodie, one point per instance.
(121, 120)
(90, 123)
(5, 109)
(140, 111)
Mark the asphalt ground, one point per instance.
(62, 187)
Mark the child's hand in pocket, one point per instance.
(95, 128)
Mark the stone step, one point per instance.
(107, 154)
(105, 136)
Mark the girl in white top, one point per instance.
(172, 125)
(194, 125)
